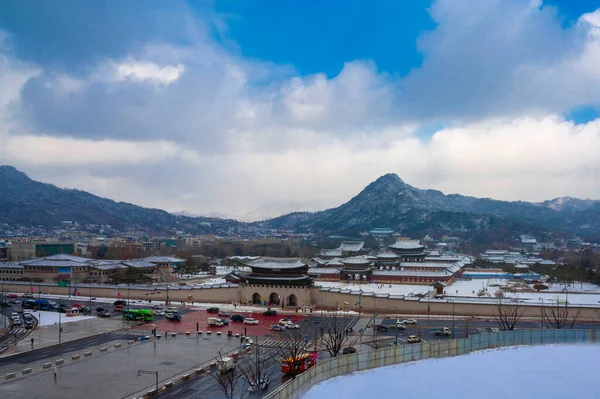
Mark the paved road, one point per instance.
(54, 351)
(207, 387)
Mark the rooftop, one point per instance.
(163, 259)
(355, 260)
(407, 244)
(352, 246)
(276, 263)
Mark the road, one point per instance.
(206, 386)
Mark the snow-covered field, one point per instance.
(394, 289)
(541, 372)
(51, 318)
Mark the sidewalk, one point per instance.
(46, 336)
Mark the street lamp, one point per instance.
(452, 318)
(140, 372)
(396, 339)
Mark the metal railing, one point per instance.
(347, 364)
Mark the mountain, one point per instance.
(386, 202)
(390, 202)
(27, 202)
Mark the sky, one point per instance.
(252, 109)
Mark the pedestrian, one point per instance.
(235, 305)
(165, 334)
(15, 334)
(55, 371)
(32, 339)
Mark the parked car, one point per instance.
(380, 327)
(223, 313)
(348, 350)
(4, 304)
(277, 327)
(17, 321)
(120, 303)
(27, 316)
(270, 312)
(410, 321)
(237, 318)
(249, 320)
(14, 314)
(400, 325)
(62, 308)
(77, 305)
(212, 310)
(14, 301)
(85, 310)
(28, 295)
(28, 324)
(12, 296)
(412, 339)
(258, 387)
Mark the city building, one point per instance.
(10, 271)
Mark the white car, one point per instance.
(288, 324)
(249, 320)
(400, 324)
(410, 321)
(159, 313)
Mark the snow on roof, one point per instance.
(10, 265)
(407, 244)
(140, 264)
(335, 262)
(54, 263)
(163, 259)
(323, 270)
(416, 273)
(331, 252)
(67, 257)
(276, 263)
(424, 264)
(109, 266)
(352, 246)
(387, 255)
(355, 260)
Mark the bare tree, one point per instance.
(336, 334)
(557, 316)
(256, 367)
(508, 314)
(292, 348)
(229, 377)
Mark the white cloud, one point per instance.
(244, 137)
(142, 71)
(53, 151)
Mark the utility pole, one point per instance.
(542, 316)
(373, 326)
(453, 318)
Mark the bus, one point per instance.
(302, 363)
(137, 314)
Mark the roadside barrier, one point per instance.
(59, 362)
(26, 371)
(9, 376)
(47, 365)
(75, 357)
(347, 364)
(104, 349)
(87, 354)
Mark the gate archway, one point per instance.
(256, 299)
(274, 298)
(292, 300)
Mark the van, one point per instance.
(213, 321)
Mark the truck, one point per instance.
(42, 304)
(226, 364)
(443, 331)
(213, 321)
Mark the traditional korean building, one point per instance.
(273, 272)
(408, 250)
(356, 268)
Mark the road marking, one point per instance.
(177, 391)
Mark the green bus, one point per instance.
(137, 314)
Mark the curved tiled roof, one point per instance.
(276, 263)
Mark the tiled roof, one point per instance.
(163, 259)
(10, 265)
(407, 244)
(352, 246)
(276, 263)
(54, 263)
(355, 260)
(323, 270)
(411, 273)
(138, 263)
(331, 252)
(387, 255)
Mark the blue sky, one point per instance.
(284, 97)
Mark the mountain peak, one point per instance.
(389, 178)
(10, 173)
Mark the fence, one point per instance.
(347, 364)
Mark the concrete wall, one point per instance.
(304, 297)
(343, 365)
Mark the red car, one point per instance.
(76, 305)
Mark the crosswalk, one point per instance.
(279, 343)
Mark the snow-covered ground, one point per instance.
(50, 318)
(541, 372)
(394, 289)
